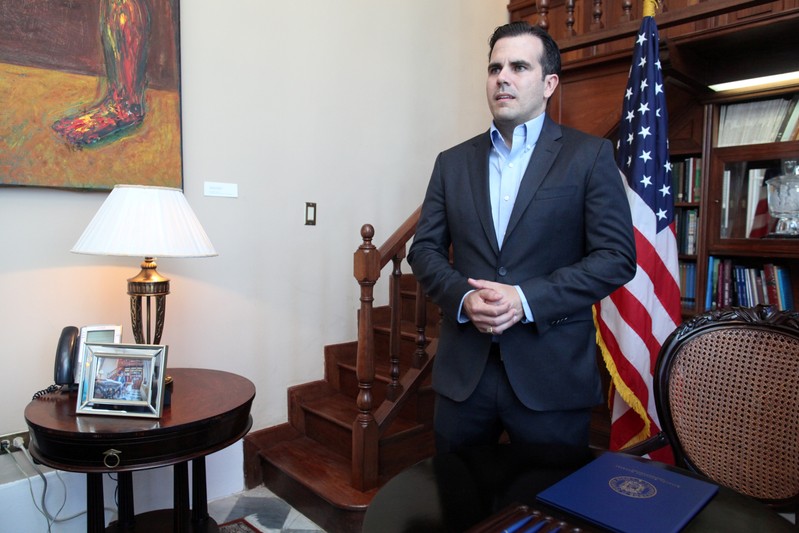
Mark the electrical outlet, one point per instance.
(10, 438)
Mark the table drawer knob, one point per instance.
(111, 458)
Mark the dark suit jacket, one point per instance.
(569, 243)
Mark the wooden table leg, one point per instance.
(199, 492)
(180, 515)
(95, 513)
(126, 512)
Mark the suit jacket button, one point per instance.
(502, 271)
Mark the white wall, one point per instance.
(341, 103)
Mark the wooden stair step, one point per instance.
(326, 473)
(341, 410)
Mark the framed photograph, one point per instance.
(122, 380)
(101, 333)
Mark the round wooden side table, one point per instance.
(209, 410)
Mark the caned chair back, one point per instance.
(727, 393)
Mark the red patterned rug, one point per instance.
(239, 525)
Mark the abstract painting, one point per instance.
(90, 93)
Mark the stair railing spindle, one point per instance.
(395, 335)
(597, 23)
(570, 18)
(420, 355)
(543, 13)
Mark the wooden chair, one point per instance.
(727, 395)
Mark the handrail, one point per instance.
(399, 238)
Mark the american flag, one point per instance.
(634, 321)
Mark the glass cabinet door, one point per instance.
(738, 219)
(744, 199)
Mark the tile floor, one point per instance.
(261, 508)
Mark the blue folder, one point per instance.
(630, 495)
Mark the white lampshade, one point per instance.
(145, 221)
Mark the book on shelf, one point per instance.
(770, 282)
(678, 179)
(760, 289)
(687, 283)
(759, 121)
(687, 222)
(740, 286)
(716, 279)
(784, 285)
(725, 283)
(687, 178)
(629, 495)
(691, 228)
(712, 278)
(731, 282)
(790, 122)
(696, 190)
(725, 203)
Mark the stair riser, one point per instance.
(302, 393)
(330, 434)
(397, 454)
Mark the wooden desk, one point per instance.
(209, 410)
(455, 492)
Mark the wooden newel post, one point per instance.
(365, 431)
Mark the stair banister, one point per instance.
(370, 422)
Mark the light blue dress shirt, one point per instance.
(506, 168)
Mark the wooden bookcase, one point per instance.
(725, 232)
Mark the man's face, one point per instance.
(516, 89)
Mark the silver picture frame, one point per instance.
(100, 333)
(122, 380)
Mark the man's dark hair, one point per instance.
(550, 60)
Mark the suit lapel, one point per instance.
(544, 155)
(478, 180)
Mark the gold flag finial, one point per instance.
(649, 7)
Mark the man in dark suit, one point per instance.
(540, 229)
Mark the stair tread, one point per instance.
(341, 409)
(326, 473)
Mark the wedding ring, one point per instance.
(490, 330)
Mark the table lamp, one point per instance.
(149, 222)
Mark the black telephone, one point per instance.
(66, 356)
(71, 343)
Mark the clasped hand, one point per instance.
(492, 307)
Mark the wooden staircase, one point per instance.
(372, 414)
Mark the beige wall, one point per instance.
(341, 103)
